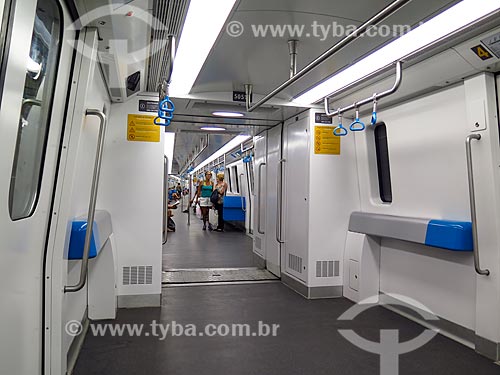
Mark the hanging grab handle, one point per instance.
(340, 131)
(166, 110)
(357, 125)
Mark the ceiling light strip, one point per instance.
(444, 24)
(204, 22)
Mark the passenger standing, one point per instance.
(205, 189)
(221, 188)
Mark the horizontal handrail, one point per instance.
(379, 17)
(374, 98)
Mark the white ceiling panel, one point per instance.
(264, 61)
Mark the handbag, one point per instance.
(214, 198)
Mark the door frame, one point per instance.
(56, 266)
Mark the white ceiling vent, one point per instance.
(171, 13)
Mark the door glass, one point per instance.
(34, 118)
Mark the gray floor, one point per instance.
(308, 342)
(204, 275)
(191, 247)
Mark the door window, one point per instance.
(34, 119)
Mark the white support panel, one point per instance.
(486, 162)
(295, 181)
(102, 287)
(361, 267)
(273, 248)
(334, 195)
(260, 196)
(132, 191)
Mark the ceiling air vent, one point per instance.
(171, 13)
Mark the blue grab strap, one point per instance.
(357, 125)
(166, 110)
(340, 131)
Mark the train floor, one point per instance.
(307, 340)
(190, 247)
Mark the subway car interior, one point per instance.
(249, 187)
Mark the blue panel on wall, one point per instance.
(77, 240)
(451, 235)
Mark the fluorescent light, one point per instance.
(445, 23)
(212, 128)
(203, 24)
(227, 147)
(227, 114)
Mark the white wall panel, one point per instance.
(334, 195)
(131, 190)
(295, 222)
(260, 196)
(444, 281)
(273, 248)
(429, 179)
(427, 158)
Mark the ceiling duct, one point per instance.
(169, 19)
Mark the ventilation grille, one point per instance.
(327, 268)
(138, 275)
(170, 15)
(295, 263)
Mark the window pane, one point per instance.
(35, 111)
(229, 179)
(384, 170)
(235, 172)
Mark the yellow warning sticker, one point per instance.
(141, 128)
(325, 143)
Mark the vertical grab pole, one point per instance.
(279, 206)
(93, 200)
(243, 208)
(472, 197)
(259, 195)
(250, 205)
(165, 200)
(190, 197)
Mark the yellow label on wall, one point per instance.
(325, 143)
(141, 128)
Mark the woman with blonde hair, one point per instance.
(205, 189)
(221, 187)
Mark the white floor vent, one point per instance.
(138, 275)
(327, 268)
(295, 263)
